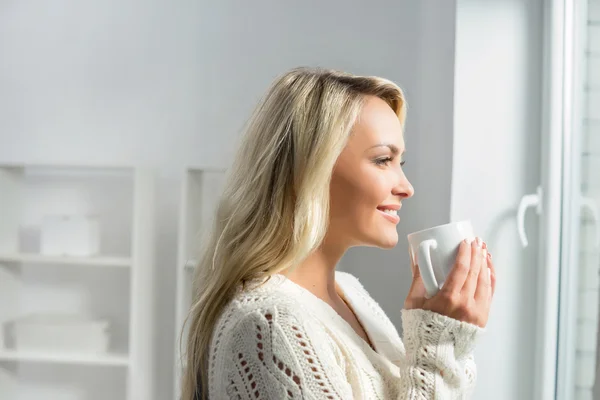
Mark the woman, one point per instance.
(319, 171)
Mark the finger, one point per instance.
(476, 260)
(417, 292)
(417, 288)
(417, 282)
(413, 265)
(458, 273)
(483, 292)
(492, 268)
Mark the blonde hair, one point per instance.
(274, 209)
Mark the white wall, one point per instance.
(496, 161)
(170, 84)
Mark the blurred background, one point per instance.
(118, 118)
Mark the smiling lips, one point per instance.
(390, 212)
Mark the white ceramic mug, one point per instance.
(434, 250)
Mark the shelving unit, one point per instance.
(21, 258)
(114, 284)
(115, 360)
(201, 189)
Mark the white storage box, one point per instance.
(61, 333)
(70, 235)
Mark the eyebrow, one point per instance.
(393, 148)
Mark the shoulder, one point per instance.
(267, 338)
(260, 298)
(273, 309)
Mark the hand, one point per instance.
(469, 288)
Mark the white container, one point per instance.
(83, 234)
(61, 333)
(52, 235)
(70, 235)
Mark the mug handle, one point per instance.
(426, 267)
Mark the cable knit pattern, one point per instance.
(437, 343)
(276, 340)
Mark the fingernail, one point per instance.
(479, 242)
(485, 253)
(484, 245)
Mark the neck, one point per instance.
(317, 272)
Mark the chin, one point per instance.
(388, 242)
(388, 245)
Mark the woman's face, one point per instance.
(368, 184)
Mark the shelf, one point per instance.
(115, 360)
(120, 262)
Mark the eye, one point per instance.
(383, 161)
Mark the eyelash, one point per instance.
(385, 161)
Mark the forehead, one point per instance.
(377, 123)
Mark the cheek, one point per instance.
(357, 194)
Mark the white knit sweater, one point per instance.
(279, 341)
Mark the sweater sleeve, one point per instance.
(274, 354)
(439, 361)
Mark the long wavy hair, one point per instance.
(274, 210)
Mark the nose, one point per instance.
(403, 188)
